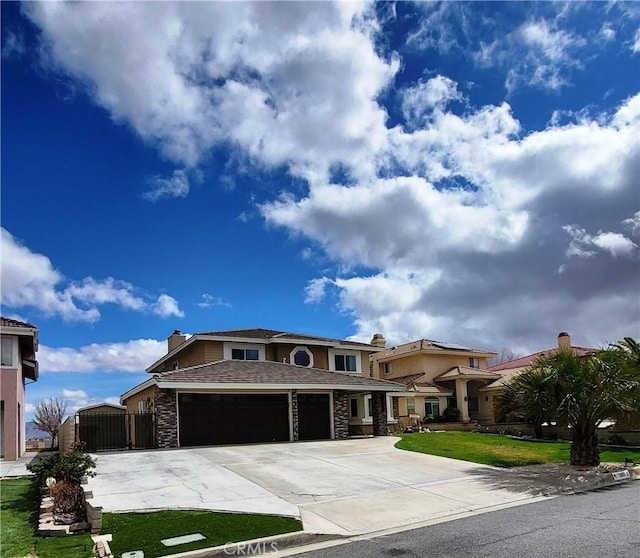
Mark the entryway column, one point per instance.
(461, 399)
(379, 413)
(340, 415)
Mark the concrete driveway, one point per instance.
(344, 487)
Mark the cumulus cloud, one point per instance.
(29, 279)
(129, 356)
(248, 74)
(451, 224)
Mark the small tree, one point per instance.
(48, 417)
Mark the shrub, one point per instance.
(433, 418)
(69, 467)
(68, 502)
(451, 414)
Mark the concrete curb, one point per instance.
(264, 545)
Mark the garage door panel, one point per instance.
(314, 416)
(214, 419)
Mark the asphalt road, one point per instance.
(601, 524)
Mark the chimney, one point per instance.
(564, 341)
(379, 340)
(175, 339)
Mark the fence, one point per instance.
(67, 434)
(116, 431)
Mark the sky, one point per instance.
(459, 171)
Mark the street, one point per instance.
(600, 524)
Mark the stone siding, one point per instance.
(294, 414)
(166, 418)
(379, 413)
(340, 415)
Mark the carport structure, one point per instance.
(234, 401)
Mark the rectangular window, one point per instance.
(474, 363)
(245, 354)
(370, 406)
(411, 406)
(432, 407)
(354, 407)
(7, 352)
(388, 367)
(345, 363)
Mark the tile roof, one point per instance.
(270, 334)
(267, 372)
(528, 360)
(467, 372)
(8, 322)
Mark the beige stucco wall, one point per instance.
(424, 363)
(67, 434)
(145, 395)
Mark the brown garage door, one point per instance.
(314, 416)
(211, 419)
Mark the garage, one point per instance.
(314, 416)
(207, 419)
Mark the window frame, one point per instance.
(333, 353)
(301, 348)
(10, 353)
(228, 349)
(474, 362)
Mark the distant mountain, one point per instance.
(34, 434)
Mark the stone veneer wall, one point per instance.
(294, 414)
(166, 418)
(379, 412)
(340, 415)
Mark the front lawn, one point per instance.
(143, 531)
(499, 451)
(131, 531)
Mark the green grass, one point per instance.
(20, 500)
(143, 531)
(131, 531)
(499, 451)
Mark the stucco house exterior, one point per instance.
(260, 385)
(18, 365)
(436, 375)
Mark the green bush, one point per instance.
(70, 467)
(433, 418)
(616, 440)
(451, 414)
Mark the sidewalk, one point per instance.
(19, 468)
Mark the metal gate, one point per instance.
(116, 431)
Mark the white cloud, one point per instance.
(584, 245)
(74, 394)
(633, 223)
(316, 289)
(176, 186)
(635, 47)
(250, 74)
(209, 301)
(30, 280)
(420, 100)
(130, 356)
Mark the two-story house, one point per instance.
(17, 365)
(436, 375)
(260, 385)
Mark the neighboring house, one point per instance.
(436, 375)
(510, 369)
(260, 385)
(18, 364)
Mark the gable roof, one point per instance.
(429, 346)
(264, 336)
(260, 374)
(528, 360)
(468, 373)
(413, 382)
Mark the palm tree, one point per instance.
(530, 396)
(579, 392)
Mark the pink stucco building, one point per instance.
(18, 366)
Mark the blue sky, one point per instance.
(462, 171)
